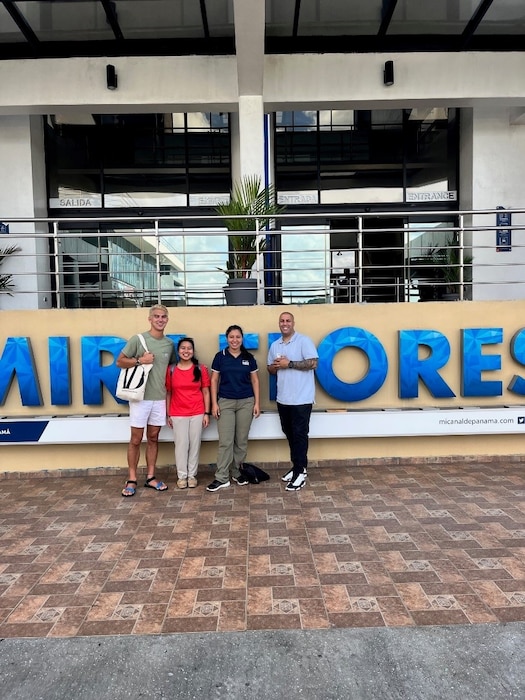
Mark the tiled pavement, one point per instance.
(359, 546)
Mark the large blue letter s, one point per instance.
(517, 350)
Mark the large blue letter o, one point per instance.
(352, 338)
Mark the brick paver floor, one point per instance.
(404, 545)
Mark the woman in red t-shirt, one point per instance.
(187, 410)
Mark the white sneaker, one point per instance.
(289, 474)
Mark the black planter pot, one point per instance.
(241, 292)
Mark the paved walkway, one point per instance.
(431, 549)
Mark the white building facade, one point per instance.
(274, 65)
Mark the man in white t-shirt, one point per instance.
(293, 358)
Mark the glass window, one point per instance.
(366, 157)
(305, 264)
(103, 268)
(144, 160)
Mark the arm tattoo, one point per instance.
(305, 364)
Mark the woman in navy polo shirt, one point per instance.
(234, 403)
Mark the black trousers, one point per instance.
(295, 423)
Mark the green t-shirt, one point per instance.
(164, 351)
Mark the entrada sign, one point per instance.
(416, 368)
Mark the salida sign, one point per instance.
(422, 354)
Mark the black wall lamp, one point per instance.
(111, 77)
(388, 73)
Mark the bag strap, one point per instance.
(141, 338)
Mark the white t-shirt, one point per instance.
(295, 387)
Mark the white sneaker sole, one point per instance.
(222, 486)
(295, 488)
(290, 485)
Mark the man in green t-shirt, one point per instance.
(150, 413)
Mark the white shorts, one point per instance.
(143, 413)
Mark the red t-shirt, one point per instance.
(186, 394)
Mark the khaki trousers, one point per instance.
(233, 426)
(187, 432)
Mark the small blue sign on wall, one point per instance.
(4, 228)
(503, 236)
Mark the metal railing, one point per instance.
(365, 258)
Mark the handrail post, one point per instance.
(185, 270)
(257, 261)
(360, 259)
(461, 257)
(56, 257)
(157, 261)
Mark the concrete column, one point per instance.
(247, 137)
(492, 175)
(23, 195)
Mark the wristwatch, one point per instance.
(137, 361)
(290, 364)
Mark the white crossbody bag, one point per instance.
(131, 382)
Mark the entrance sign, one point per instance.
(423, 196)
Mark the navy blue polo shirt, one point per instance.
(234, 380)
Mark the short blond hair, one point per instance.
(159, 307)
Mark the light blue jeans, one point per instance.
(233, 426)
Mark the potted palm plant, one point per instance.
(248, 200)
(6, 281)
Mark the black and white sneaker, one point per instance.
(289, 475)
(216, 485)
(240, 480)
(297, 483)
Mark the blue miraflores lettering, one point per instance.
(59, 371)
(517, 351)
(377, 364)
(95, 376)
(272, 378)
(412, 368)
(474, 362)
(18, 359)
(416, 368)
